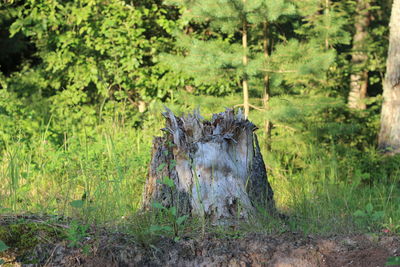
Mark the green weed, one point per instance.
(3, 247)
(175, 220)
(393, 261)
(76, 233)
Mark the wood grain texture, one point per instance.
(216, 166)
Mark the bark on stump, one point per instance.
(216, 167)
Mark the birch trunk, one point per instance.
(389, 136)
(216, 167)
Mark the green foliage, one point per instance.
(88, 60)
(21, 236)
(368, 213)
(13, 111)
(75, 233)
(228, 16)
(392, 226)
(82, 85)
(290, 63)
(93, 45)
(393, 261)
(225, 58)
(77, 203)
(168, 182)
(3, 246)
(26, 234)
(97, 177)
(175, 220)
(325, 21)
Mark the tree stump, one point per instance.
(210, 168)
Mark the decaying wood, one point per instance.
(216, 166)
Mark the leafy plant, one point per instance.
(76, 233)
(90, 60)
(391, 226)
(77, 203)
(175, 221)
(3, 247)
(369, 215)
(393, 261)
(369, 211)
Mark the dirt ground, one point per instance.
(289, 250)
(253, 250)
(285, 250)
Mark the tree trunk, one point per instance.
(327, 11)
(266, 95)
(245, 78)
(216, 167)
(359, 77)
(389, 136)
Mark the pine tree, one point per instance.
(226, 58)
(259, 44)
(325, 22)
(253, 50)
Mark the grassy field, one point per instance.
(97, 176)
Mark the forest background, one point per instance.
(83, 84)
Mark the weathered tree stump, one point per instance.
(216, 167)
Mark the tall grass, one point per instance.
(98, 176)
(105, 171)
(326, 191)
